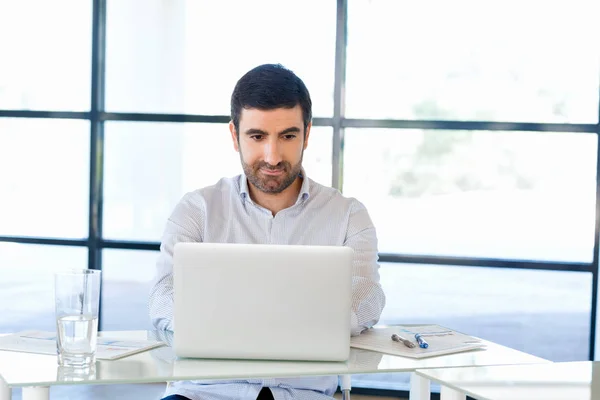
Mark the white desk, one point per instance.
(35, 373)
(554, 381)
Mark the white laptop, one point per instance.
(271, 302)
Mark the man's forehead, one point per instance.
(283, 115)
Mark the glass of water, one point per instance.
(77, 296)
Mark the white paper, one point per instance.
(441, 341)
(41, 342)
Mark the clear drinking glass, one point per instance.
(77, 296)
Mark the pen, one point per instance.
(422, 343)
(406, 342)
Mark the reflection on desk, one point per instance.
(160, 365)
(188, 368)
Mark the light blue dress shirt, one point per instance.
(225, 213)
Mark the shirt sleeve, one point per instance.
(368, 298)
(184, 225)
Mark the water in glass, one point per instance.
(77, 336)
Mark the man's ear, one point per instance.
(234, 136)
(307, 134)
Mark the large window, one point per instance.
(519, 195)
(44, 183)
(528, 61)
(469, 130)
(27, 283)
(521, 309)
(45, 52)
(194, 51)
(127, 276)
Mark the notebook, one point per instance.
(440, 341)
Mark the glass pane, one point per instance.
(127, 276)
(46, 55)
(44, 185)
(27, 283)
(517, 195)
(196, 57)
(526, 310)
(176, 158)
(473, 60)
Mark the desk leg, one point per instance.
(419, 388)
(36, 393)
(345, 386)
(5, 391)
(447, 393)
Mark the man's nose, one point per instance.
(272, 154)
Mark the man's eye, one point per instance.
(289, 137)
(256, 137)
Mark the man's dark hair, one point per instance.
(267, 87)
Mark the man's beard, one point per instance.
(269, 183)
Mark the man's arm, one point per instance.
(368, 298)
(184, 225)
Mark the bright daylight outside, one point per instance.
(492, 194)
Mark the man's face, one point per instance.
(271, 144)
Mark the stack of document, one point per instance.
(439, 341)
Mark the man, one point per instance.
(273, 201)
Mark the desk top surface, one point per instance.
(160, 365)
(550, 381)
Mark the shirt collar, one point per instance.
(304, 189)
